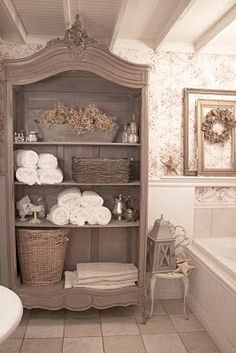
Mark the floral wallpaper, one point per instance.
(169, 74)
(215, 195)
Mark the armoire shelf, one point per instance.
(48, 224)
(75, 75)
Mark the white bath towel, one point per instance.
(90, 199)
(71, 282)
(93, 270)
(70, 198)
(50, 176)
(26, 158)
(27, 176)
(58, 215)
(47, 161)
(79, 216)
(106, 280)
(99, 215)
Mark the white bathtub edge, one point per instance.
(217, 336)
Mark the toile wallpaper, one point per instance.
(169, 74)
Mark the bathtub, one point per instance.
(212, 294)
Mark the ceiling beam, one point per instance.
(118, 23)
(183, 6)
(216, 28)
(11, 12)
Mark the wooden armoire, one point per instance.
(75, 70)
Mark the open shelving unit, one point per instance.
(33, 85)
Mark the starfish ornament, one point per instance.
(184, 267)
(170, 165)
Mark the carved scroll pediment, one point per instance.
(76, 38)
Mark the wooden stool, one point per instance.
(169, 276)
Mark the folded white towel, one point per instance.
(71, 282)
(106, 280)
(27, 176)
(70, 198)
(58, 215)
(47, 161)
(79, 216)
(90, 199)
(99, 215)
(93, 270)
(50, 176)
(26, 158)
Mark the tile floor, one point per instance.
(115, 330)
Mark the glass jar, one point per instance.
(125, 134)
(33, 136)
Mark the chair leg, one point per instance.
(186, 287)
(152, 291)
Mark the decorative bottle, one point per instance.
(125, 134)
(132, 134)
(40, 202)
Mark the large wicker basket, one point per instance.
(41, 254)
(105, 170)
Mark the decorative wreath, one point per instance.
(223, 116)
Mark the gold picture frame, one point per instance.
(190, 128)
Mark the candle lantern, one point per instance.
(161, 247)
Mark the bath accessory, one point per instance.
(118, 208)
(32, 137)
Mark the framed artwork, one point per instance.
(201, 156)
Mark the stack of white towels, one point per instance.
(33, 168)
(102, 275)
(79, 208)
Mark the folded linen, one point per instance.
(106, 280)
(99, 215)
(47, 161)
(27, 176)
(50, 176)
(58, 215)
(79, 216)
(93, 270)
(71, 282)
(90, 199)
(70, 198)
(26, 158)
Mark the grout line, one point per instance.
(27, 324)
(136, 320)
(64, 328)
(102, 337)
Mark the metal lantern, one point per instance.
(161, 251)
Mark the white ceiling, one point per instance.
(178, 25)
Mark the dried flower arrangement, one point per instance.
(225, 117)
(80, 120)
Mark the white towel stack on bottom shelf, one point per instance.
(102, 275)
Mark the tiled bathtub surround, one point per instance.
(116, 330)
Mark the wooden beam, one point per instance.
(11, 12)
(118, 23)
(67, 13)
(183, 6)
(216, 28)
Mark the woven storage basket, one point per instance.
(107, 170)
(41, 254)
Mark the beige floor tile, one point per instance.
(82, 327)
(182, 325)
(119, 325)
(90, 313)
(47, 314)
(49, 345)
(174, 306)
(44, 327)
(83, 345)
(123, 344)
(163, 343)
(10, 346)
(198, 342)
(21, 328)
(155, 325)
(118, 311)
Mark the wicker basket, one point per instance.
(105, 170)
(41, 254)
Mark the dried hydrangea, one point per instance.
(80, 120)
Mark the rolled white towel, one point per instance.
(27, 176)
(58, 215)
(91, 199)
(26, 158)
(47, 161)
(70, 198)
(50, 176)
(79, 216)
(99, 215)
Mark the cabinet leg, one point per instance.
(186, 287)
(144, 307)
(152, 291)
